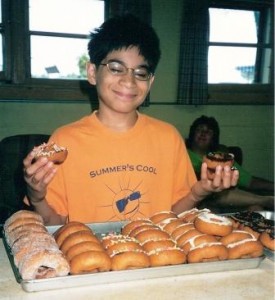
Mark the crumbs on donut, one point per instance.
(55, 153)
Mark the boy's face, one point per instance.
(120, 93)
(203, 137)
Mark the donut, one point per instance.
(190, 215)
(181, 229)
(19, 222)
(127, 228)
(198, 240)
(267, 239)
(141, 228)
(214, 159)
(161, 216)
(186, 236)
(250, 230)
(90, 262)
(17, 232)
(123, 246)
(166, 257)
(150, 246)
(78, 237)
(128, 260)
(235, 236)
(52, 151)
(171, 224)
(112, 238)
(213, 224)
(207, 252)
(43, 264)
(152, 234)
(22, 214)
(64, 231)
(83, 247)
(248, 248)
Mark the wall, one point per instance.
(249, 126)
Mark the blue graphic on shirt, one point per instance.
(122, 203)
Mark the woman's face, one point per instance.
(203, 138)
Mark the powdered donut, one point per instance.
(22, 214)
(213, 224)
(52, 151)
(90, 262)
(19, 222)
(43, 264)
(207, 252)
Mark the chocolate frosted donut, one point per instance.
(214, 159)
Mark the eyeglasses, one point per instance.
(118, 69)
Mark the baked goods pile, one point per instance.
(258, 225)
(35, 252)
(163, 239)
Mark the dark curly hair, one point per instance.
(124, 32)
(212, 124)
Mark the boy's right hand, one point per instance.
(37, 175)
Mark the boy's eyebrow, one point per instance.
(121, 62)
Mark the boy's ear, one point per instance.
(91, 73)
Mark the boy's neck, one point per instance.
(118, 122)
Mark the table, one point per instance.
(241, 284)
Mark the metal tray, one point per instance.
(127, 275)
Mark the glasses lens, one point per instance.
(142, 74)
(116, 68)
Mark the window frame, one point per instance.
(255, 93)
(15, 80)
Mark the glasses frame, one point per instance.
(150, 74)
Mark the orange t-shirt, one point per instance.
(112, 176)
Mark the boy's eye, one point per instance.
(116, 68)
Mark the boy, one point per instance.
(121, 164)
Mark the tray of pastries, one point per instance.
(164, 245)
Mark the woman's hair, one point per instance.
(212, 124)
(124, 32)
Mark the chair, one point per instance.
(13, 150)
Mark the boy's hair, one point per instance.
(124, 32)
(211, 123)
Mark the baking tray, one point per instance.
(125, 275)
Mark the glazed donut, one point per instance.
(159, 217)
(186, 236)
(267, 239)
(141, 228)
(236, 236)
(78, 237)
(126, 229)
(82, 247)
(166, 257)
(22, 214)
(52, 151)
(214, 159)
(90, 262)
(64, 231)
(152, 234)
(112, 238)
(123, 246)
(171, 225)
(248, 248)
(150, 246)
(43, 264)
(198, 240)
(207, 252)
(135, 259)
(213, 224)
(250, 230)
(190, 215)
(181, 229)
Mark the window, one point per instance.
(44, 47)
(240, 44)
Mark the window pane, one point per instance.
(231, 64)
(66, 16)
(53, 57)
(235, 26)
